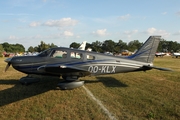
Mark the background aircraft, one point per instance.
(176, 55)
(82, 46)
(73, 63)
(160, 54)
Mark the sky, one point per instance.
(28, 22)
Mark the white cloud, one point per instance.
(164, 13)
(101, 32)
(125, 17)
(78, 36)
(34, 24)
(177, 33)
(64, 22)
(130, 32)
(154, 31)
(68, 33)
(164, 33)
(151, 30)
(37, 37)
(12, 37)
(178, 13)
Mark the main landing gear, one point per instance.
(70, 82)
(68, 85)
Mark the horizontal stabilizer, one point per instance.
(158, 68)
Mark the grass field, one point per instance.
(139, 95)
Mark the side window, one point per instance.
(59, 54)
(90, 57)
(76, 55)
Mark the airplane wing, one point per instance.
(60, 69)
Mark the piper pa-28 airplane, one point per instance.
(73, 63)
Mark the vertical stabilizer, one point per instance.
(147, 51)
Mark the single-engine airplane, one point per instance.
(73, 63)
(160, 54)
(176, 55)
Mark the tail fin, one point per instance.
(83, 45)
(147, 51)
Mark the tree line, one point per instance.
(117, 47)
(97, 46)
(43, 46)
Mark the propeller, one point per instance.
(8, 60)
(7, 66)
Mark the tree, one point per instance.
(13, 47)
(52, 45)
(31, 49)
(6, 47)
(134, 45)
(108, 45)
(1, 50)
(18, 48)
(43, 46)
(168, 46)
(35, 49)
(97, 46)
(88, 45)
(74, 45)
(120, 46)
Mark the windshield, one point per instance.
(44, 53)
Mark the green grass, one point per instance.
(139, 95)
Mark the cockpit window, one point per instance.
(44, 53)
(59, 54)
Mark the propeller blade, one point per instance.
(8, 60)
(7, 66)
